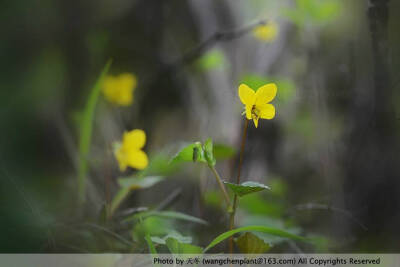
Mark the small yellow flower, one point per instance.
(129, 153)
(266, 32)
(119, 89)
(256, 103)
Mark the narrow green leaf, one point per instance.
(209, 153)
(86, 133)
(246, 188)
(152, 248)
(168, 214)
(139, 183)
(176, 247)
(255, 228)
(249, 243)
(150, 244)
(173, 234)
(181, 216)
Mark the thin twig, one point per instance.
(221, 186)
(317, 206)
(131, 211)
(235, 200)
(222, 36)
(111, 233)
(169, 199)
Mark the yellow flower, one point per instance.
(119, 89)
(266, 32)
(129, 153)
(256, 103)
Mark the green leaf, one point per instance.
(85, 135)
(246, 188)
(177, 247)
(139, 183)
(168, 214)
(211, 60)
(269, 221)
(193, 152)
(249, 243)
(209, 153)
(255, 228)
(223, 151)
(174, 234)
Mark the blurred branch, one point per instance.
(197, 51)
(317, 206)
(109, 232)
(218, 36)
(131, 211)
(169, 199)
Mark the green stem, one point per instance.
(221, 185)
(235, 199)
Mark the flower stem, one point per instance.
(235, 200)
(221, 185)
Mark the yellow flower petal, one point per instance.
(137, 159)
(255, 120)
(127, 80)
(265, 94)
(119, 90)
(267, 112)
(246, 95)
(134, 139)
(248, 112)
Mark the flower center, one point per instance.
(255, 113)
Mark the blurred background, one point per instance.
(330, 156)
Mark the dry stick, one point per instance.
(235, 200)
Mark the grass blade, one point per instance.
(168, 214)
(118, 198)
(86, 132)
(150, 244)
(181, 216)
(152, 248)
